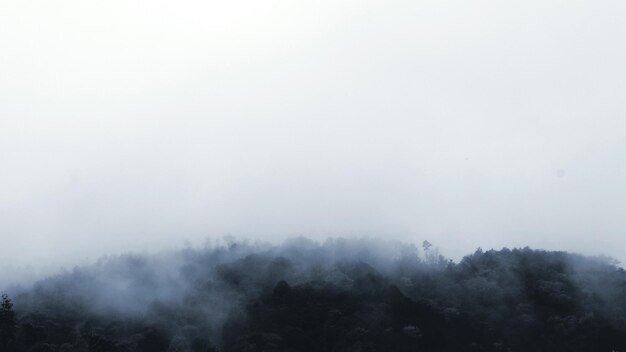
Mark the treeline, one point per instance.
(340, 295)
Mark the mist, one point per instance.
(337, 295)
(326, 176)
(140, 126)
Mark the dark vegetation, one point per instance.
(342, 295)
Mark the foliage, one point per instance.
(342, 296)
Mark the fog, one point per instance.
(336, 295)
(140, 126)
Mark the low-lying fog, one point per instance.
(336, 295)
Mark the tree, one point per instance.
(7, 322)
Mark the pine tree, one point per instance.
(8, 322)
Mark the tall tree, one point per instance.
(8, 322)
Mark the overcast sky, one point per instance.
(139, 125)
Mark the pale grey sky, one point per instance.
(137, 125)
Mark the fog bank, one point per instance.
(136, 126)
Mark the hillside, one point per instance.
(340, 295)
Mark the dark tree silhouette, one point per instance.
(8, 322)
(342, 296)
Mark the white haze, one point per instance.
(140, 125)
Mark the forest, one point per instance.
(337, 295)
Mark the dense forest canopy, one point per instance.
(339, 295)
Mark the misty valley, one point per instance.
(338, 295)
